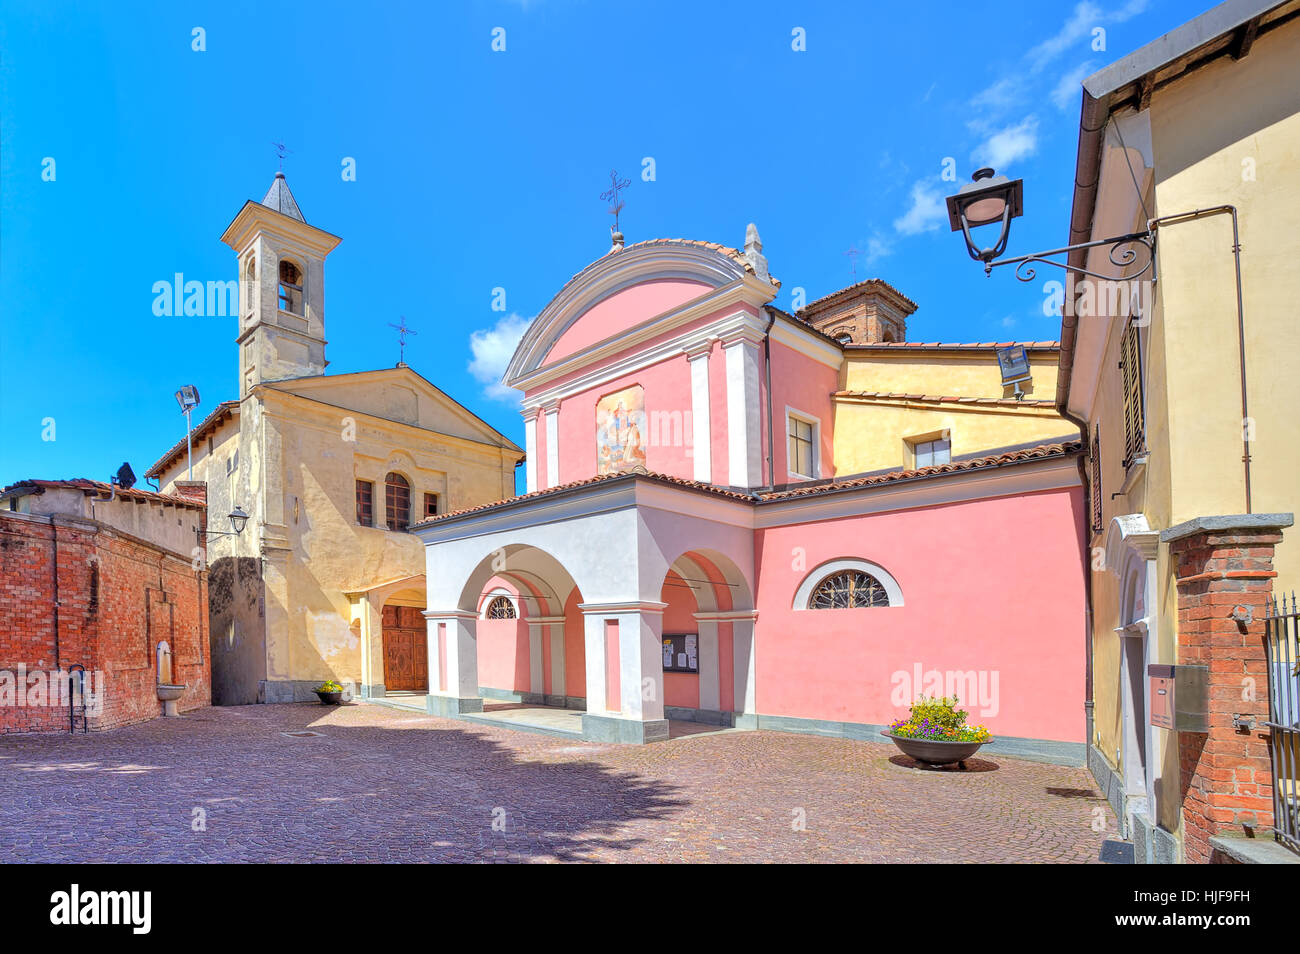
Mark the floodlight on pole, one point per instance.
(188, 398)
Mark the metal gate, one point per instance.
(1282, 631)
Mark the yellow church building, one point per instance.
(324, 582)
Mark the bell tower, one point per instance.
(281, 261)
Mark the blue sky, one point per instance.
(478, 169)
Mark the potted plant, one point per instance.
(329, 692)
(936, 732)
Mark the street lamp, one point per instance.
(238, 520)
(990, 199)
(188, 398)
(986, 199)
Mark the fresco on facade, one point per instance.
(620, 430)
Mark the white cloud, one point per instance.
(1066, 94)
(1008, 144)
(1081, 23)
(492, 349)
(926, 213)
(1008, 322)
(877, 247)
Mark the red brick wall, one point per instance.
(118, 596)
(1226, 774)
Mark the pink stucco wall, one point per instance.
(680, 688)
(993, 586)
(503, 644)
(623, 310)
(804, 385)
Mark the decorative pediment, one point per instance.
(718, 273)
(1128, 538)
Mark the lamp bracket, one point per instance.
(1125, 250)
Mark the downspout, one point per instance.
(54, 538)
(767, 373)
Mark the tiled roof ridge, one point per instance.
(945, 398)
(856, 285)
(217, 414)
(969, 345)
(1037, 452)
(86, 485)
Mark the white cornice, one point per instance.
(721, 328)
(729, 282)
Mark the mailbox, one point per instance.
(1180, 697)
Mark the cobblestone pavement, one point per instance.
(381, 785)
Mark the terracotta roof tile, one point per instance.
(178, 449)
(968, 346)
(941, 398)
(88, 487)
(1022, 455)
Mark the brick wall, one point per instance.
(117, 597)
(1226, 776)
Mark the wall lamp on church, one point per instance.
(238, 520)
(991, 201)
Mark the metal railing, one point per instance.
(1281, 633)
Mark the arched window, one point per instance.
(848, 583)
(500, 608)
(848, 589)
(397, 500)
(290, 287)
(250, 285)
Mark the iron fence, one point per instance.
(1282, 632)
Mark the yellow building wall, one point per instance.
(873, 433)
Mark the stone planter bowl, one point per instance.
(330, 698)
(933, 752)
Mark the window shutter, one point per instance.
(1134, 421)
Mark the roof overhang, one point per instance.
(255, 217)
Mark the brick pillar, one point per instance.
(1222, 564)
(196, 490)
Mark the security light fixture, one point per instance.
(188, 398)
(985, 200)
(125, 477)
(1014, 364)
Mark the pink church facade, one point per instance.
(686, 550)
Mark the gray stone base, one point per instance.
(375, 691)
(452, 705)
(705, 716)
(1250, 851)
(565, 702)
(271, 691)
(509, 695)
(600, 728)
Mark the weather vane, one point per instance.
(281, 151)
(853, 254)
(616, 185)
(402, 332)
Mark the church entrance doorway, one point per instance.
(406, 653)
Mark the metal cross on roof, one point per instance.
(611, 195)
(402, 332)
(853, 253)
(281, 151)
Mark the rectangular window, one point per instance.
(930, 453)
(430, 505)
(802, 459)
(1130, 362)
(365, 503)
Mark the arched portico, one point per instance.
(602, 559)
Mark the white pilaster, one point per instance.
(557, 659)
(552, 445)
(640, 659)
(536, 670)
(710, 679)
(744, 414)
(530, 450)
(453, 640)
(743, 652)
(701, 438)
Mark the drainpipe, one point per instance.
(1241, 317)
(767, 372)
(54, 538)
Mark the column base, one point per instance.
(452, 705)
(602, 728)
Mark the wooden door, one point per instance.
(406, 652)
